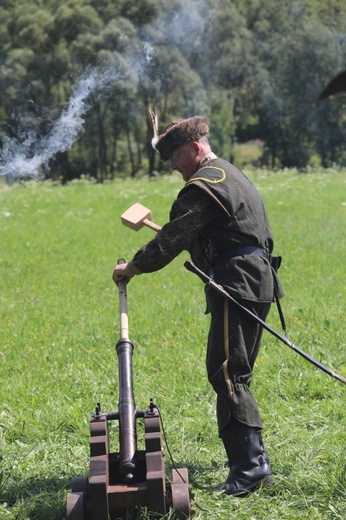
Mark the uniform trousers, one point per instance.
(233, 345)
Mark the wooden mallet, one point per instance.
(138, 216)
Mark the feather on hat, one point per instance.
(177, 134)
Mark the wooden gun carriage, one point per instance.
(129, 478)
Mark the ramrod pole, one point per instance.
(206, 279)
(127, 408)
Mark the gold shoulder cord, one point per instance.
(219, 175)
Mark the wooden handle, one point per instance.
(124, 322)
(151, 225)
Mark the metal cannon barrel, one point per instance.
(127, 410)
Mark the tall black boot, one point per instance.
(249, 463)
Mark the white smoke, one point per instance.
(31, 156)
(16, 160)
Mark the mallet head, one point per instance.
(138, 216)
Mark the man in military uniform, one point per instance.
(219, 218)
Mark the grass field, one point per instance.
(59, 326)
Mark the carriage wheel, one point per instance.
(75, 506)
(181, 494)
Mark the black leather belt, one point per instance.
(240, 251)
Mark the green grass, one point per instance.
(59, 326)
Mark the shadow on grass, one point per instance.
(37, 499)
(45, 499)
(203, 477)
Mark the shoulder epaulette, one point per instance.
(211, 174)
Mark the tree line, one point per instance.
(255, 68)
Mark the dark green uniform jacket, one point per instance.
(244, 222)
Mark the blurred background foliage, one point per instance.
(255, 68)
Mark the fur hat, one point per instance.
(178, 133)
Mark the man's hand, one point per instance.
(122, 272)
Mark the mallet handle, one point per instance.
(151, 224)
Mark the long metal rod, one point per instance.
(190, 266)
(127, 407)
